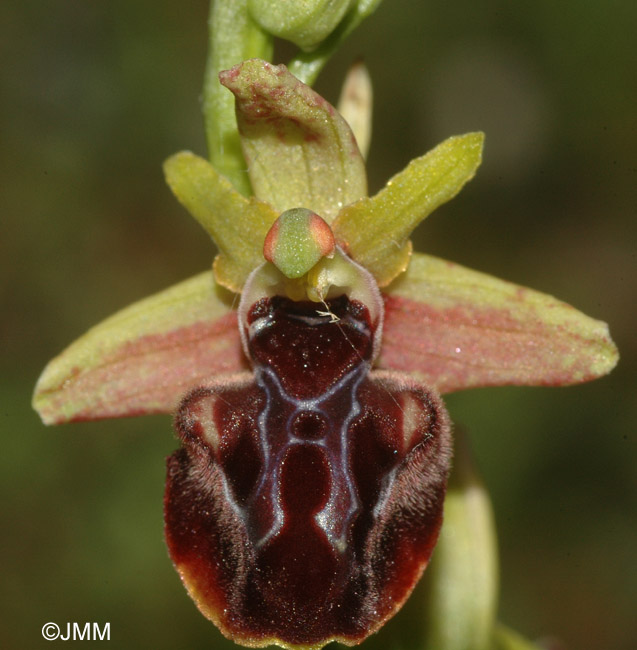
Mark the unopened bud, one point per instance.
(304, 22)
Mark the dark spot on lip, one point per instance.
(309, 426)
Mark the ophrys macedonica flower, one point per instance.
(307, 495)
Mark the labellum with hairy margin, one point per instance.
(307, 498)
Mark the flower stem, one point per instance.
(233, 37)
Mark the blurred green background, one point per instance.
(95, 95)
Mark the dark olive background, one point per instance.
(95, 95)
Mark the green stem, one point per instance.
(233, 37)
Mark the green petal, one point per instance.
(456, 328)
(237, 225)
(144, 358)
(376, 230)
(300, 152)
(462, 579)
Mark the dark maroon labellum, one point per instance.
(307, 497)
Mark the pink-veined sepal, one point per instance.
(456, 328)
(144, 358)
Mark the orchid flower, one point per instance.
(305, 371)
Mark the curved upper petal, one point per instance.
(237, 225)
(144, 358)
(300, 152)
(375, 231)
(458, 328)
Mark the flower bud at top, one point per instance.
(304, 22)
